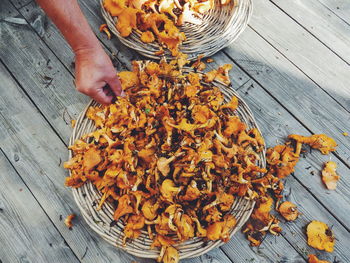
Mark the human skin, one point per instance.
(95, 74)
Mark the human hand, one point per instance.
(93, 71)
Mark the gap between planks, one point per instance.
(35, 201)
(248, 74)
(236, 63)
(309, 31)
(277, 100)
(301, 70)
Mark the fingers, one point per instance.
(102, 97)
(116, 86)
(99, 94)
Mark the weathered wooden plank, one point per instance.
(276, 124)
(38, 69)
(295, 91)
(339, 7)
(52, 31)
(27, 134)
(273, 249)
(302, 49)
(37, 157)
(322, 23)
(283, 247)
(26, 233)
(50, 35)
(21, 3)
(296, 234)
(38, 20)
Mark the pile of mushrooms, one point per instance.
(158, 19)
(172, 157)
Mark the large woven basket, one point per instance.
(87, 197)
(219, 28)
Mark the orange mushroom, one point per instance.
(123, 207)
(329, 175)
(313, 259)
(221, 230)
(320, 236)
(318, 141)
(147, 37)
(289, 211)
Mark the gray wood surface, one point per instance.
(277, 70)
(20, 218)
(304, 50)
(321, 22)
(292, 88)
(339, 7)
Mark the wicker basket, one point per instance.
(87, 197)
(219, 28)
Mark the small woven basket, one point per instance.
(87, 197)
(218, 29)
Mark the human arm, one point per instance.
(93, 67)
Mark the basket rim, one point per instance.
(206, 44)
(137, 248)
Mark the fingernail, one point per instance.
(122, 94)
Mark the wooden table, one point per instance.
(291, 65)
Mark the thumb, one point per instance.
(116, 86)
(100, 96)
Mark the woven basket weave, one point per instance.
(219, 28)
(87, 197)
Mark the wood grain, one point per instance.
(292, 89)
(284, 244)
(322, 23)
(34, 65)
(26, 233)
(311, 210)
(303, 50)
(273, 252)
(339, 7)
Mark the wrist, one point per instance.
(87, 48)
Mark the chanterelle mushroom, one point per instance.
(192, 192)
(318, 141)
(169, 190)
(149, 209)
(168, 255)
(329, 175)
(288, 210)
(123, 207)
(320, 236)
(133, 226)
(163, 163)
(221, 230)
(189, 16)
(167, 6)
